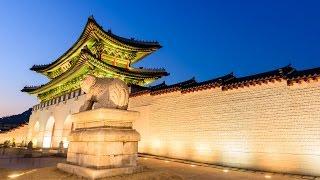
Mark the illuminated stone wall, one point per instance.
(17, 134)
(272, 127)
(50, 125)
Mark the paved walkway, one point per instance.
(192, 172)
(185, 171)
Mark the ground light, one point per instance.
(226, 170)
(15, 175)
(267, 176)
(12, 176)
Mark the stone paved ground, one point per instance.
(156, 169)
(52, 173)
(191, 172)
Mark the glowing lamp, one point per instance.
(14, 175)
(267, 176)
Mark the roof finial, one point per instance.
(91, 17)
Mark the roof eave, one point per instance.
(153, 46)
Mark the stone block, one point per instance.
(114, 161)
(90, 160)
(94, 124)
(104, 114)
(78, 147)
(104, 134)
(105, 148)
(129, 160)
(97, 173)
(109, 161)
(99, 161)
(130, 147)
(71, 157)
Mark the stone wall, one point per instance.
(17, 134)
(273, 126)
(58, 113)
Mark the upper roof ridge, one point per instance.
(129, 42)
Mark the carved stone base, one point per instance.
(92, 173)
(103, 144)
(103, 147)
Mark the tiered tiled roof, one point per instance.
(98, 52)
(147, 45)
(132, 72)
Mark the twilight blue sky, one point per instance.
(203, 38)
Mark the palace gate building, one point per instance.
(268, 121)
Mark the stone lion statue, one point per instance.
(104, 93)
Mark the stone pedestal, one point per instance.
(103, 144)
